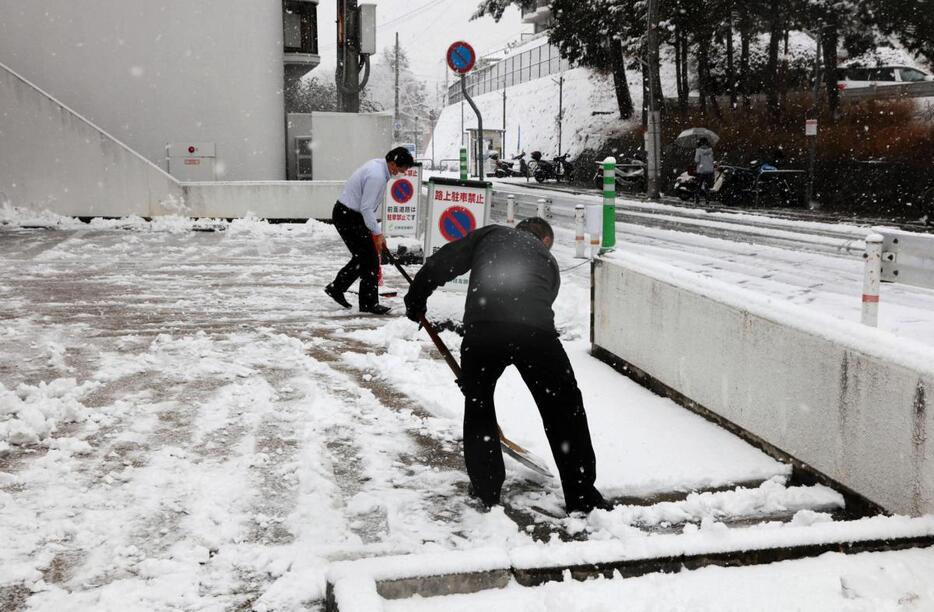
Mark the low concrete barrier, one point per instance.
(851, 402)
(265, 199)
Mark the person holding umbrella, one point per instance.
(701, 140)
(704, 167)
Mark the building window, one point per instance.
(300, 26)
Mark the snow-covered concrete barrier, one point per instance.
(266, 199)
(851, 402)
(363, 585)
(52, 158)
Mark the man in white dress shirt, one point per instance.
(355, 217)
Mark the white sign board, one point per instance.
(810, 127)
(402, 203)
(455, 208)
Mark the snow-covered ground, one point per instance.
(188, 422)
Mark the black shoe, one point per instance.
(337, 296)
(592, 502)
(377, 309)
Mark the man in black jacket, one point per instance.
(508, 320)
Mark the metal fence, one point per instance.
(536, 63)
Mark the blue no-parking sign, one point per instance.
(402, 204)
(461, 57)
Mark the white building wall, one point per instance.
(151, 73)
(52, 159)
(851, 401)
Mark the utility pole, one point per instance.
(416, 136)
(433, 118)
(815, 114)
(348, 57)
(653, 127)
(395, 114)
(560, 83)
(503, 152)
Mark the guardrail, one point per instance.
(921, 89)
(848, 242)
(907, 257)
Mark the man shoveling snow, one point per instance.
(508, 320)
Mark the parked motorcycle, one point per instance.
(630, 175)
(508, 168)
(557, 169)
(686, 185)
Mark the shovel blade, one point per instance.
(527, 459)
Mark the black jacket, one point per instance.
(513, 277)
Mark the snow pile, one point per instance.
(772, 498)
(32, 414)
(19, 217)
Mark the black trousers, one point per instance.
(363, 264)
(487, 349)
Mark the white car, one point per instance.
(865, 76)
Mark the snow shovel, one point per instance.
(509, 447)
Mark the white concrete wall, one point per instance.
(853, 402)
(344, 141)
(341, 143)
(53, 159)
(269, 199)
(151, 73)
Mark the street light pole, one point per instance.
(815, 114)
(653, 127)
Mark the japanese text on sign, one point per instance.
(458, 196)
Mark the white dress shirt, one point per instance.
(365, 191)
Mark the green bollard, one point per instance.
(463, 164)
(609, 205)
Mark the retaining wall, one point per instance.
(52, 158)
(852, 402)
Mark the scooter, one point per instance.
(686, 186)
(507, 168)
(557, 169)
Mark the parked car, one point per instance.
(868, 76)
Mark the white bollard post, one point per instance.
(580, 247)
(871, 276)
(541, 208)
(594, 220)
(511, 210)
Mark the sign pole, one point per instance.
(479, 155)
(461, 59)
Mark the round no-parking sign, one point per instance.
(461, 57)
(402, 191)
(456, 222)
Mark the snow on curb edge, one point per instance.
(353, 585)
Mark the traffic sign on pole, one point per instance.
(461, 57)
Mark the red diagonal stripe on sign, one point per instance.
(453, 218)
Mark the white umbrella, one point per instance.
(688, 138)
